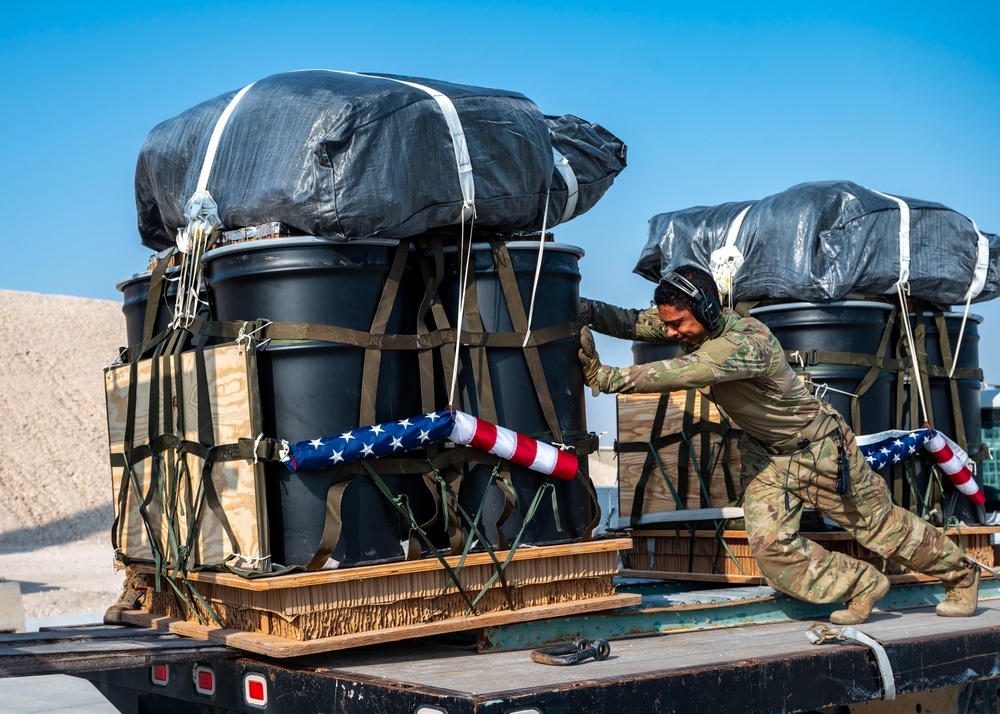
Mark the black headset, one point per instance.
(705, 308)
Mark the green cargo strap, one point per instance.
(933, 494)
(639, 496)
(947, 361)
(595, 502)
(403, 508)
(528, 516)
(475, 536)
(869, 379)
(154, 295)
(519, 319)
(705, 461)
(483, 386)
(206, 437)
(356, 338)
(744, 307)
(333, 523)
(431, 303)
(683, 455)
(809, 358)
(920, 338)
(373, 357)
(651, 448)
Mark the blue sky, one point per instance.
(717, 102)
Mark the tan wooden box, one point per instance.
(162, 498)
(701, 464)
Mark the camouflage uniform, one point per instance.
(790, 457)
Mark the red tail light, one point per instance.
(255, 690)
(159, 675)
(204, 680)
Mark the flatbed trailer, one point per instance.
(740, 670)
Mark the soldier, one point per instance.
(796, 450)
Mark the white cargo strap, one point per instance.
(726, 260)
(903, 288)
(982, 264)
(904, 236)
(202, 221)
(572, 186)
(820, 634)
(201, 211)
(975, 287)
(463, 162)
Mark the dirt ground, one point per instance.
(55, 482)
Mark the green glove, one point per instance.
(590, 360)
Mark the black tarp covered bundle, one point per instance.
(345, 156)
(819, 241)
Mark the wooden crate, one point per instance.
(228, 377)
(680, 556)
(682, 461)
(306, 613)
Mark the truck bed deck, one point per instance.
(761, 668)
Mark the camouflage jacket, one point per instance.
(740, 366)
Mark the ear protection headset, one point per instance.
(706, 309)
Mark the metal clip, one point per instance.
(820, 634)
(579, 651)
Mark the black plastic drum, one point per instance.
(135, 292)
(557, 302)
(646, 352)
(311, 389)
(852, 326)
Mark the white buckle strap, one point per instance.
(982, 264)
(201, 211)
(904, 236)
(820, 634)
(572, 186)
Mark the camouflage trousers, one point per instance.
(777, 488)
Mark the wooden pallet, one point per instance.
(308, 613)
(675, 555)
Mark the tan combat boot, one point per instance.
(132, 591)
(860, 606)
(960, 600)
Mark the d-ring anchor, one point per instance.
(579, 651)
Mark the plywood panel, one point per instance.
(636, 414)
(169, 486)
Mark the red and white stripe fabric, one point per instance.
(952, 459)
(516, 448)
